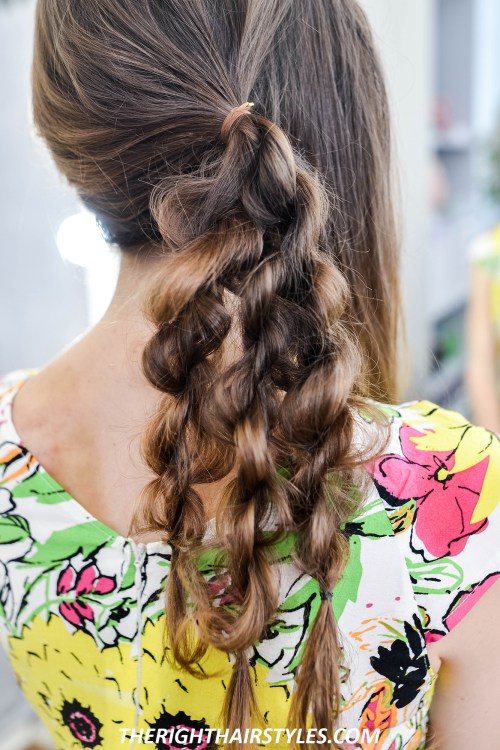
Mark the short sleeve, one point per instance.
(440, 484)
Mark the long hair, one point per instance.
(279, 227)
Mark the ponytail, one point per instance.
(256, 227)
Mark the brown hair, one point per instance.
(282, 228)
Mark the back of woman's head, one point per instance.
(287, 207)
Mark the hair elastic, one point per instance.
(323, 594)
(232, 116)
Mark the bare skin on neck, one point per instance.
(83, 414)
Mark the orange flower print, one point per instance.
(379, 712)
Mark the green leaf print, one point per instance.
(128, 578)
(43, 487)
(307, 599)
(297, 600)
(282, 550)
(438, 577)
(390, 411)
(61, 545)
(13, 529)
(213, 560)
(367, 416)
(347, 587)
(306, 602)
(372, 522)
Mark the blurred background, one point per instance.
(442, 59)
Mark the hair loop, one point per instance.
(326, 595)
(232, 116)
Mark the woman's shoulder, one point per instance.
(439, 480)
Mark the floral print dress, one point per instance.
(82, 609)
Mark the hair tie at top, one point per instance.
(325, 595)
(232, 116)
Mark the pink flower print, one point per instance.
(82, 723)
(431, 636)
(220, 588)
(87, 581)
(445, 501)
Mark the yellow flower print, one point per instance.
(449, 431)
(86, 695)
(183, 691)
(82, 694)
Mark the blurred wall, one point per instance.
(42, 301)
(404, 34)
(486, 96)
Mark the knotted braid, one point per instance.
(287, 400)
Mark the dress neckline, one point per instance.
(18, 378)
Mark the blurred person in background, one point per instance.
(483, 311)
(208, 522)
(483, 330)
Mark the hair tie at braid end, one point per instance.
(326, 595)
(232, 116)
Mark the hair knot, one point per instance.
(231, 118)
